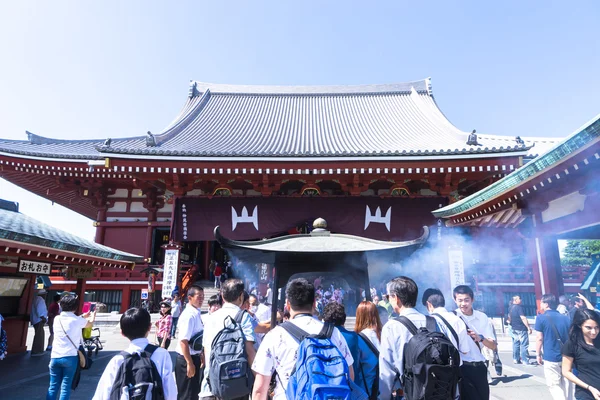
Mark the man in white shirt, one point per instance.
(435, 302)
(262, 317)
(39, 316)
(278, 350)
(402, 292)
(263, 312)
(474, 384)
(187, 365)
(232, 292)
(135, 325)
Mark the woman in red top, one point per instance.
(163, 325)
(218, 273)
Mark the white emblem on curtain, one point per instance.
(377, 218)
(244, 217)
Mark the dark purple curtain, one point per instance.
(256, 218)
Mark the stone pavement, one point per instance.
(23, 377)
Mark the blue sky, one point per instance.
(73, 69)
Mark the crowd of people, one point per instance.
(232, 352)
(566, 344)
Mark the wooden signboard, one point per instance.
(81, 272)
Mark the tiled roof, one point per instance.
(581, 138)
(21, 228)
(395, 120)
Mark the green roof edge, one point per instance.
(56, 245)
(575, 141)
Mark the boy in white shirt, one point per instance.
(474, 384)
(278, 351)
(188, 367)
(135, 326)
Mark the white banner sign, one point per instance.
(34, 267)
(170, 272)
(457, 267)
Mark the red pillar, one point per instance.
(16, 329)
(148, 248)
(125, 298)
(80, 291)
(100, 229)
(547, 271)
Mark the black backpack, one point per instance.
(431, 363)
(229, 374)
(138, 378)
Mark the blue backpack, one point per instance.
(321, 372)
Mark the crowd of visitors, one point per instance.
(232, 352)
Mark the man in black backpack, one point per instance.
(451, 325)
(402, 292)
(135, 326)
(229, 316)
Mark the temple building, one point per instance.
(265, 161)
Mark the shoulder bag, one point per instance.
(561, 343)
(85, 362)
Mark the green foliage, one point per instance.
(579, 252)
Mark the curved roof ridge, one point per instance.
(189, 111)
(421, 86)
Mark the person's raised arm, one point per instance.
(262, 327)
(588, 304)
(91, 318)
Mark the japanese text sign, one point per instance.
(34, 267)
(170, 272)
(457, 268)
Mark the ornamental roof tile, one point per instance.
(394, 120)
(22, 228)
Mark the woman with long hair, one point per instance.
(582, 350)
(164, 325)
(368, 322)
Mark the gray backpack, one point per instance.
(230, 375)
